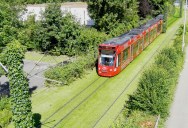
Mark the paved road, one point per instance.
(179, 110)
(35, 76)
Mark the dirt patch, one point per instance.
(147, 124)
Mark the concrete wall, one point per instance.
(78, 9)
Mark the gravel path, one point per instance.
(179, 110)
(35, 76)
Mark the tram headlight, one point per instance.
(114, 69)
(110, 69)
(99, 68)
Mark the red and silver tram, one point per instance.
(115, 54)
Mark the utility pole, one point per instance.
(184, 31)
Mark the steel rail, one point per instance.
(69, 101)
(79, 104)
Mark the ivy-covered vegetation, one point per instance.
(156, 86)
(19, 86)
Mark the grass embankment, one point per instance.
(98, 108)
(172, 19)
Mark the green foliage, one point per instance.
(88, 40)
(4, 103)
(2, 72)
(68, 73)
(9, 23)
(152, 92)
(108, 14)
(157, 7)
(26, 35)
(137, 119)
(19, 87)
(5, 118)
(5, 112)
(56, 32)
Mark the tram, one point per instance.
(115, 54)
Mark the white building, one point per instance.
(78, 9)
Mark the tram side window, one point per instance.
(155, 30)
(159, 28)
(139, 42)
(151, 33)
(119, 59)
(135, 47)
(125, 54)
(147, 37)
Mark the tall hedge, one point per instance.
(152, 89)
(19, 87)
(156, 86)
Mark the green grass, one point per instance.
(172, 19)
(36, 56)
(48, 100)
(138, 119)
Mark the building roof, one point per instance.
(66, 5)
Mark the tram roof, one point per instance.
(127, 36)
(136, 31)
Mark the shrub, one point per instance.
(5, 118)
(152, 92)
(88, 40)
(68, 73)
(5, 112)
(137, 119)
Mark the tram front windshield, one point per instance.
(107, 60)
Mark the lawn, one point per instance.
(100, 103)
(37, 56)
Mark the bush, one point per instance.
(151, 95)
(137, 119)
(68, 73)
(5, 112)
(87, 40)
(5, 118)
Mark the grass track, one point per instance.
(90, 111)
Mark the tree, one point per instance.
(19, 87)
(56, 30)
(26, 35)
(144, 8)
(153, 7)
(108, 14)
(9, 22)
